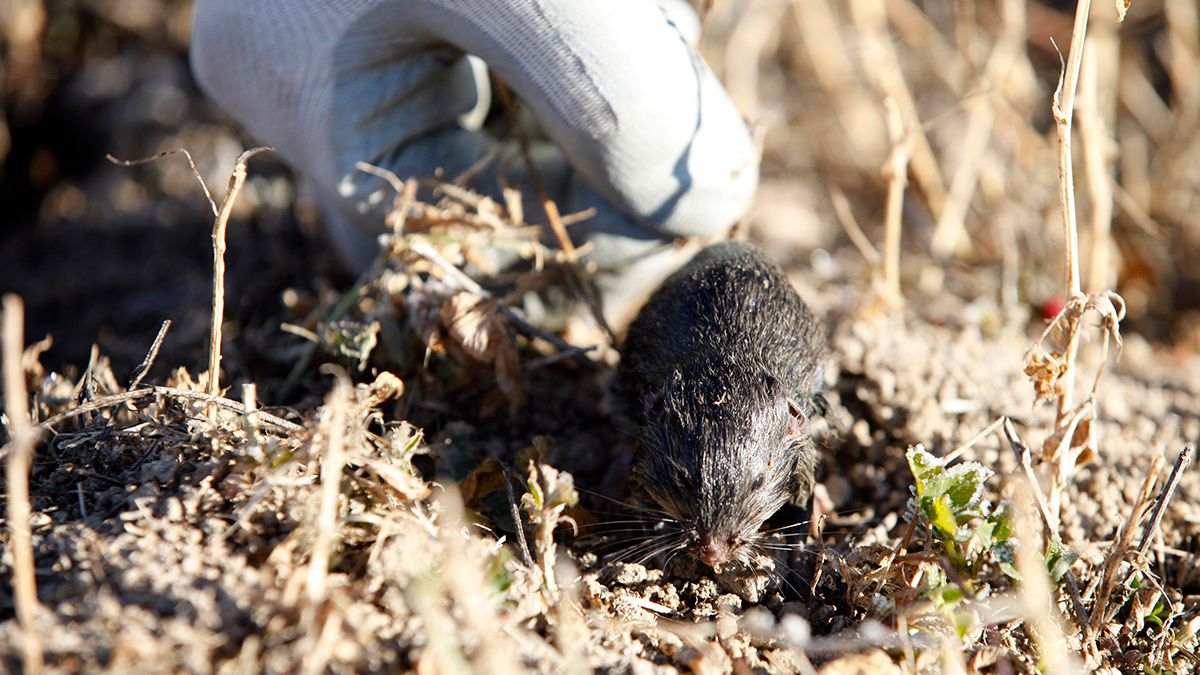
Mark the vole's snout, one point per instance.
(714, 549)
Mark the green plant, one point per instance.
(948, 503)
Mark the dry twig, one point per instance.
(841, 208)
(1116, 554)
(469, 285)
(20, 455)
(140, 372)
(236, 180)
(191, 163)
(1181, 465)
(515, 511)
(333, 458)
(1063, 108)
(882, 65)
(111, 400)
(1096, 108)
(1036, 593)
(1082, 617)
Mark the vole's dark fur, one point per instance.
(723, 367)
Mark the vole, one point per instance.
(723, 367)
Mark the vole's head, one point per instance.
(720, 455)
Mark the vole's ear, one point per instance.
(806, 467)
(773, 385)
(797, 419)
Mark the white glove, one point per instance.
(649, 136)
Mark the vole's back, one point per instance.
(729, 313)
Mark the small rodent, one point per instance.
(723, 367)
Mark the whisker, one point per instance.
(620, 530)
(636, 550)
(658, 551)
(671, 556)
(621, 544)
(638, 508)
(786, 527)
(608, 523)
(780, 576)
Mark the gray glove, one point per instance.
(648, 134)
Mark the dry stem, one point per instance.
(111, 400)
(1082, 617)
(471, 286)
(1116, 554)
(950, 230)
(236, 181)
(1164, 498)
(841, 208)
(1063, 108)
(515, 512)
(1040, 613)
(333, 458)
(1095, 111)
(191, 163)
(147, 363)
(830, 58)
(902, 145)
(20, 455)
(882, 65)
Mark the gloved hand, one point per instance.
(641, 128)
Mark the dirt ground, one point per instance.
(366, 522)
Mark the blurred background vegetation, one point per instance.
(103, 253)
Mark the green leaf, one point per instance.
(353, 340)
(952, 594)
(1002, 520)
(985, 533)
(535, 493)
(1005, 557)
(965, 486)
(1059, 559)
(942, 517)
(499, 577)
(923, 466)
(962, 623)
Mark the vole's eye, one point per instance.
(757, 483)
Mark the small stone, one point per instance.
(174, 510)
(623, 574)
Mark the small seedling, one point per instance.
(948, 502)
(549, 493)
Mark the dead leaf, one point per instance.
(404, 481)
(477, 326)
(485, 479)
(1142, 605)
(1122, 9)
(1046, 370)
(386, 387)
